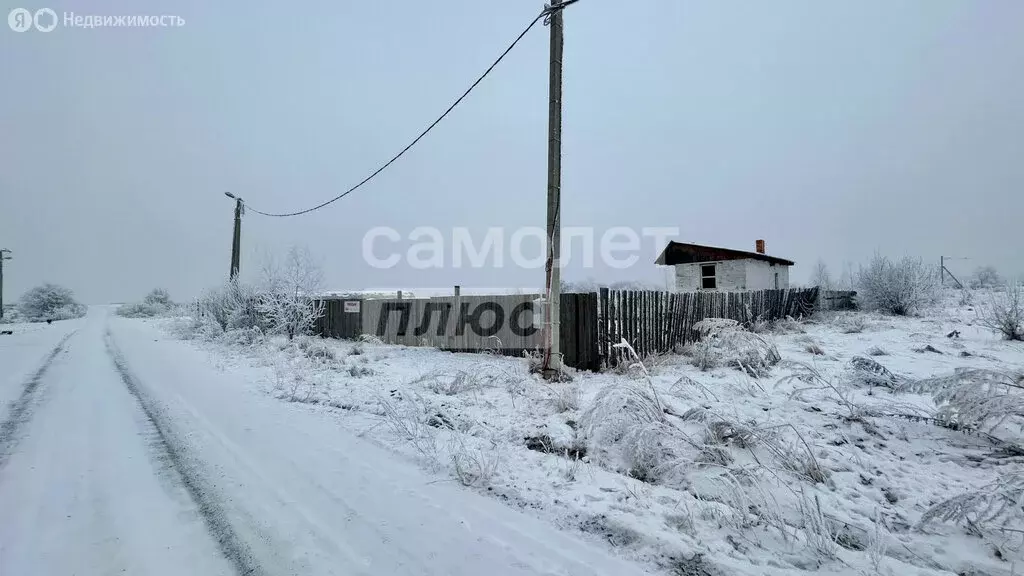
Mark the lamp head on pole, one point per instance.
(229, 195)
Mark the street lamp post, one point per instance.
(5, 254)
(236, 241)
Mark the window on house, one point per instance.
(776, 280)
(707, 277)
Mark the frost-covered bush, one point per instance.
(626, 428)
(903, 288)
(986, 277)
(316, 350)
(245, 337)
(156, 303)
(1003, 312)
(975, 398)
(233, 306)
(200, 328)
(995, 507)
(851, 323)
(11, 315)
(725, 343)
(158, 297)
(50, 302)
(140, 310)
(288, 303)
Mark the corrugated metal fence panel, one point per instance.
(342, 318)
(455, 322)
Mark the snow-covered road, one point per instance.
(129, 454)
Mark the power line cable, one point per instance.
(544, 13)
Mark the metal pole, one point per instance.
(236, 237)
(553, 359)
(236, 245)
(942, 270)
(3, 256)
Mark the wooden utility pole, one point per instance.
(5, 254)
(236, 242)
(552, 356)
(943, 271)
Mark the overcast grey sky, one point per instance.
(830, 129)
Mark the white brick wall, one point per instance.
(730, 275)
(747, 274)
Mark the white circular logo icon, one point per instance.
(45, 19)
(20, 20)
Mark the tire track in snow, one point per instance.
(21, 409)
(172, 452)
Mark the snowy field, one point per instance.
(821, 462)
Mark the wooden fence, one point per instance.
(655, 322)
(590, 323)
(837, 300)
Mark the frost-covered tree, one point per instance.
(50, 302)
(287, 300)
(159, 297)
(903, 287)
(986, 277)
(821, 276)
(1003, 312)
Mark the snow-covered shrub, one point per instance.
(50, 302)
(787, 325)
(474, 466)
(246, 337)
(158, 297)
(625, 426)
(140, 310)
(975, 398)
(966, 297)
(903, 288)
(200, 328)
(232, 306)
(450, 384)
(725, 343)
(288, 302)
(851, 323)
(12, 315)
(868, 372)
(995, 507)
(566, 397)
(408, 416)
(1004, 312)
(156, 303)
(985, 277)
(316, 349)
